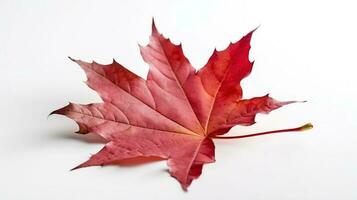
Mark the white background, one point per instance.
(304, 50)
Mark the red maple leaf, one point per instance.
(175, 113)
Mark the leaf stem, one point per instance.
(301, 128)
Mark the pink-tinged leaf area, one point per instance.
(175, 112)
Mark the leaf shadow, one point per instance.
(89, 138)
(92, 138)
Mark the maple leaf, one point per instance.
(175, 113)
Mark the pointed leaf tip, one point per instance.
(153, 28)
(75, 168)
(71, 58)
(255, 28)
(248, 36)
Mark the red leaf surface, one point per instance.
(175, 112)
